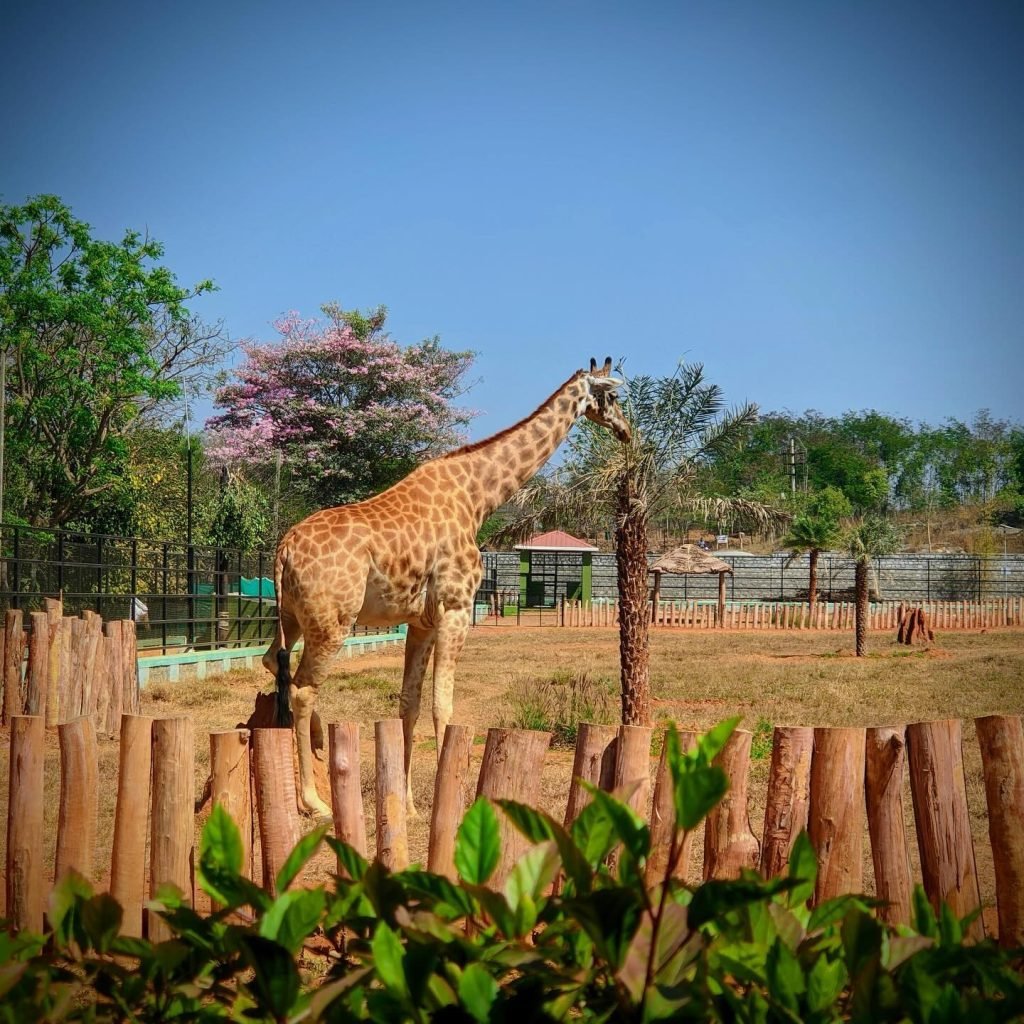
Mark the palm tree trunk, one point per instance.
(634, 616)
(812, 584)
(860, 580)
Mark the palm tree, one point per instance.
(679, 426)
(816, 529)
(868, 538)
(812, 536)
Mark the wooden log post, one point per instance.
(14, 649)
(392, 827)
(721, 600)
(632, 778)
(55, 616)
(24, 877)
(72, 703)
(885, 756)
(450, 793)
(1001, 739)
(594, 762)
(511, 769)
(633, 766)
(113, 651)
(100, 678)
(729, 842)
(130, 697)
(172, 815)
(836, 814)
(131, 815)
(231, 785)
(38, 672)
(276, 800)
(789, 794)
(663, 821)
(346, 784)
(93, 663)
(79, 798)
(65, 676)
(943, 823)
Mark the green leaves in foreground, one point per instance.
(566, 937)
(478, 843)
(697, 783)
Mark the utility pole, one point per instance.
(278, 459)
(3, 425)
(190, 555)
(792, 466)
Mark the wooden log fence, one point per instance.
(940, 616)
(827, 780)
(63, 667)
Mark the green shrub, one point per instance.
(415, 946)
(559, 704)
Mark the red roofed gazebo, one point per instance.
(553, 565)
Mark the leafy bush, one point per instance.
(559, 704)
(415, 946)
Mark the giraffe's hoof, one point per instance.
(316, 808)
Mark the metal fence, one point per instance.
(780, 577)
(181, 596)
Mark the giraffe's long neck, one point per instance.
(500, 465)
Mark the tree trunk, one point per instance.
(812, 582)
(634, 617)
(860, 578)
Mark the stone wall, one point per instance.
(778, 577)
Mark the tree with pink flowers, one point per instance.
(350, 410)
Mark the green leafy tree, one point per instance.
(95, 337)
(816, 529)
(238, 517)
(867, 539)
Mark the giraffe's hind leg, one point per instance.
(322, 643)
(292, 635)
(419, 642)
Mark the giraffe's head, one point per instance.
(601, 404)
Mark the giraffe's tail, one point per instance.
(284, 671)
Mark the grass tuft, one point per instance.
(761, 744)
(559, 703)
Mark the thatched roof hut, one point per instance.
(692, 560)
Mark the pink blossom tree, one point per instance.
(349, 409)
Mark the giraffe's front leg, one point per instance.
(303, 701)
(321, 646)
(451, 635)
(419, 642)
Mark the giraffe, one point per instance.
(409, 555)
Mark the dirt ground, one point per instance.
(697, 679)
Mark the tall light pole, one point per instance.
(190, 557)
(3, 425)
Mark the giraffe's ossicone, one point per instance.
(409, 555)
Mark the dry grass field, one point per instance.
(697, 679)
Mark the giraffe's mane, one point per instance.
(468, 449)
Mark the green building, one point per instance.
(552, 566)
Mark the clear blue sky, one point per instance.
(823, 202)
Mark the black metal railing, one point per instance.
(181, 596)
